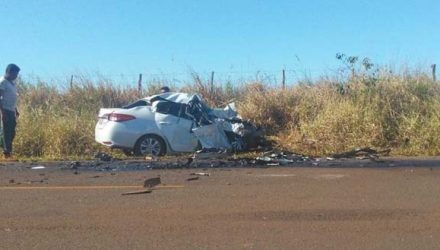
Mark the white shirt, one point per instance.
(9, 96)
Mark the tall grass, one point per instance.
(398, 112)
(384, 110)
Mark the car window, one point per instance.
(197, 111)
(170, 108)
(137, 104)
(183, 114)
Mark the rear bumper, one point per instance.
(116, 135)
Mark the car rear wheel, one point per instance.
(150, 145)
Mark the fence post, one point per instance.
(140, 84)
(283, 82)
(71, 82)
(212, 82)
(433, 72)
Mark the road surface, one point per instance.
(241, 208)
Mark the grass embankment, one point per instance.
(397, 112)
(401, 112)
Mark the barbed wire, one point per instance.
(270, 77)
(124, 75)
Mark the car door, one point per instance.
(176, 129)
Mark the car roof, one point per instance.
(184, 98)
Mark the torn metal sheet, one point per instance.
(214, 128)
(184, 98)
(229, 112)
(212, 136)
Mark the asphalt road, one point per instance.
(243, 208)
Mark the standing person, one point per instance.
(8, 107)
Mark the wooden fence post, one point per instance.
(212, 82)
(433, 72)
(283, 82)
(140, 84)
(71, 82)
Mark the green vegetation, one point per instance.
(365, 106)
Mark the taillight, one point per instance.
(115, 117)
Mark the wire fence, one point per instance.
(219, 78)
(274, 78)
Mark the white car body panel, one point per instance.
(181, 121)
(125, 134)
(175, 131)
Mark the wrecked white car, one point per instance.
(174, 123)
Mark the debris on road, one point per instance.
(38, 167)
(271, 158)
(149, 158)
(200, 174)
(193, 178)
(210, 154)
(206, 157)
(75, 164)
(147, 191)
(150, 183)
(363, 153)
(189, 161)
(215, 158)
(104, 157)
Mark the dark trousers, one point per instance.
(9, 124)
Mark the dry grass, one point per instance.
(395, 112)
(398, 111)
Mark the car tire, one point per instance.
(150, 145)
